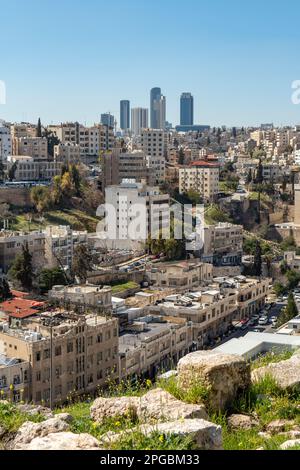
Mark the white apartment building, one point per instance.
(67, 153)
(5, 142)
(23, 129)
(139, 210)
(154, 145)
(202, 177)
(139, 120)
(35, 147)
(223, 244)
(85, 295)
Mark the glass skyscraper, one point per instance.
(186, 109)
(108, 120)
(125, 115)
(157, 109)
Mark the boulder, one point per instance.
(290, 444)
(29, 431)
(2, 431)
(236, 422)
(279, 425)
(286, 373)
(157, 405)
(33, 410)
(63, 441)
(223, 375)
(205, 435)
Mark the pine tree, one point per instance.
(39, 129)
(22, 270)
(257, 265)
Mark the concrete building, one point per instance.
(153, 143)
(181, 275)
(139, 120)
(14, 379)
(5, 142)
(139, 210)
(67, 153)
(152, 344)
(186, 109)
(69, 354)
(29, 169)
(98, 297)
(202, 177)
(223, 244)
(35, 147)
(11, 244)
(118, 165)
(23, 129)
(60, 243)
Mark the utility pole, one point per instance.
(51, 367)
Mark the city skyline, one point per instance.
(230, 64)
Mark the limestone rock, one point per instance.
(63, 441)
(279, 425)
(32, 410)
(205, 435)
(157, 405)
(286, 373)
(29, 431)
(224, 375)
(2, 431)
(237, 421)
(290, 444)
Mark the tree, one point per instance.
(259, 175)
(249, 177)
(39, 129)
(51, 277)
(181, 156)
(22, 270)
(2, 172)
(40, 196)
(12, 171)
(52, 140)
(5, 292)
(293, 278)
(257, 265)
(290, 311)
(82, 262)
(76, 179)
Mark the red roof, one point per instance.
(17, 293)
(20, 308)
(205, 163)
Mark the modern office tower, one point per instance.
(125, 115)
(153, 143)
(108, 120)
(157, 109)
(139, 120)
(186, 109)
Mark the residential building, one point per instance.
(201, 177)
(118, 165)
(139, 120)
(11, 244)
(125, 115)
(5, 142)
(186, 109)
(60, 243)
(29, 169)
(155, 119)
(181, 275)
(87, 296)
(223, 244)
(23, 129)
(35, 147)
(69, 354)
(153, 143)
(67, 153)
(14, 379)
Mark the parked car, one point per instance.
(263, 321)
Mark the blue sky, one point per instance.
(73, 59)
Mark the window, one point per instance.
(38, 356)
(99, 375)
(58, 372)
(47, 354)
(90, 341)
(38, 376)
(57, 350)
(69, 347)
(99, 338)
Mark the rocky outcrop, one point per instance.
(223, 375)
(237, 421)
(279, 425)
(205, 435)
(290, 444)
(33, 410)
(156, 405)
(63, 441)
(30, 431)
(285, 373)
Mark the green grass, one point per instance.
(77, 219)
(156, 441)
(271, 357)
(122, 287)
(11, 419)
(196, 394)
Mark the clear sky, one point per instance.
(73, 59)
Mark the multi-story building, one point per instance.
(139, 210)
(153, 143)
(186, 109)
(60, 242)
(23, 129)
(29, 169)
(180, 274)
(202, 177)
(98, 297)
(5, 142)
(108, 120)
(118, 165)
(11, 244)
(157, 109)
(69, 354)
(139, 120)
(125, 115)
(222, 244)
(67, 153)
(153, 344)
(14, 378)
(35, 147)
